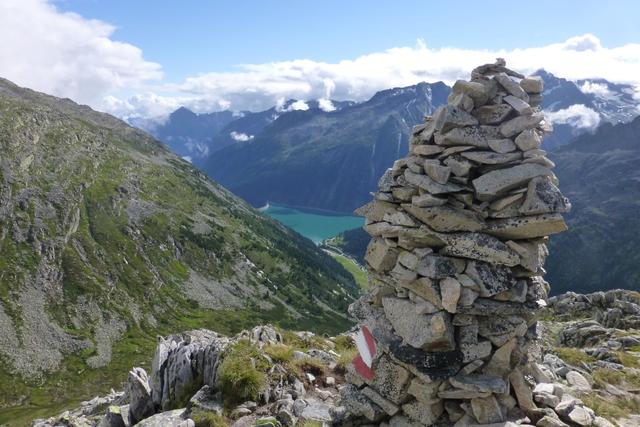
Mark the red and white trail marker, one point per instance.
(367, 349)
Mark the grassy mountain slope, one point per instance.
(328, 160)
(107, 239)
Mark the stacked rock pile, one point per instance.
(459, 230)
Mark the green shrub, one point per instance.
(280, 353)
(208, 419)
(242, 374)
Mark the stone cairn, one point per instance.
(459, 230)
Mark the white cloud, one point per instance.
(326, 105)
(66, 55)
(259, 86)
(599, 89)
(577, 115)
(70, 56)
(240, 137)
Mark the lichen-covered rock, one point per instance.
(457, 310)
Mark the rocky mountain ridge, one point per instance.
(107, 239)
(281, 158)
(586, 374)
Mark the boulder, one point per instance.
(138, 391)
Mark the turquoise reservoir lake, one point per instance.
(314, 224)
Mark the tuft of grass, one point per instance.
(573, 356)
(604, 376)
(627, 359)
(346, 356)
(208, 419)
(611, 408)
(280, 353)
(343, 342)
(242, 374)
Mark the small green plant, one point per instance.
(343, 342)
(604, 376)
(573, 356)
(280, 353)
(346, 356)
(627, 359)
(611, 408)
(242, 374)
(208, 419)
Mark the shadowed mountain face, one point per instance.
(332, 160)
(190, 135)
(108, 239)
(328, 160)
(600, 175)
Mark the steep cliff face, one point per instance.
(107, 238)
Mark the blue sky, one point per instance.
(143, 59)
(190, 37)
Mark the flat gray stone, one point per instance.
(437, 172)
(428, 332)
(477, 136)
(446, 218)
(426, 183)
(479, 246)
(521, 107)
(427, 200)
(449, 117)
(529, 139)
(511, 86)
(493, 184)
(504, 145)
(439, 267)
(492, 279)
(491, 158)
(486, 410)
(426, 415)
(492, 114)
(532, 84)
(480, 383)
(476, 91)
(380, 256)
(527, 227)
(450, 290)
(544, 197)
(519, 124)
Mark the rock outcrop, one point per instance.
(459, 231)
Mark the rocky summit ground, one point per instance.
(588, 374)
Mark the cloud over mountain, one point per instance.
(258, 86)
(66, 55)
